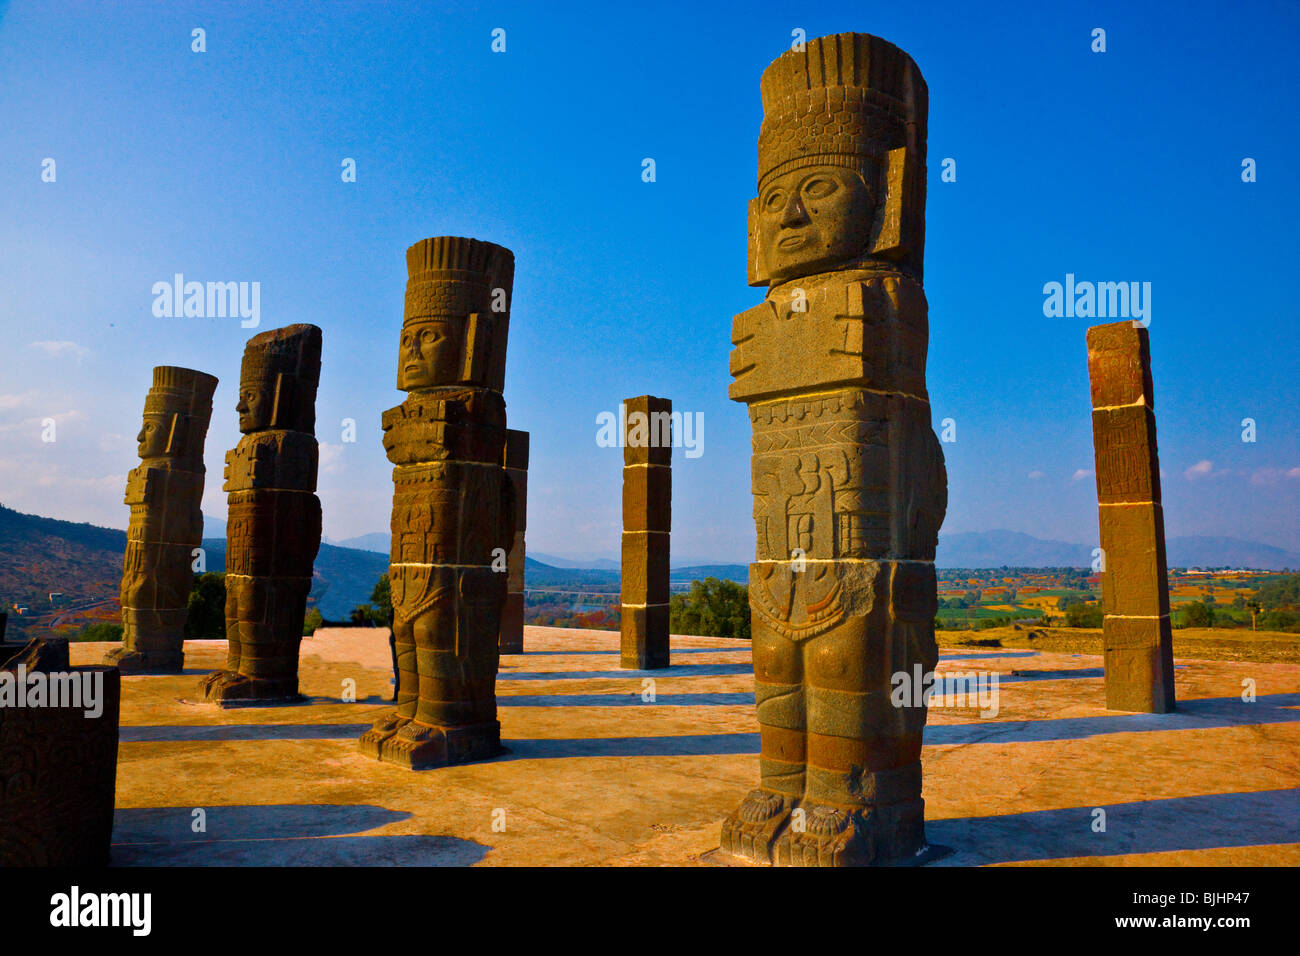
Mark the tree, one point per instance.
(379, 612)
(313, 620)
(713, 607)
(1083, 615)
(206, 619)
(1198, 614)
(382, 598)
(100, 631)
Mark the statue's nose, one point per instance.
(794, 213)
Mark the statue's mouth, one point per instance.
(792, 242)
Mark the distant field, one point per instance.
(1199, 643)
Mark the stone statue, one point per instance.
(165, 494)
(453, 506)
(515, 462)
(273, 526)
(1137, 641)
(848, 477)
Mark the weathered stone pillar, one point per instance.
(58, 764)
(165, 494)
(1138, 642)
(453, 505)
(515, 462)
(848, 477)
(273, 526)
(647, 527)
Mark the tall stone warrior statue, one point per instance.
(166, 525)
(453, 506)
(848, 478)
(273, 526)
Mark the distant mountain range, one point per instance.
(39, 555)
(995, 549)
(972, 549)
(84, 561)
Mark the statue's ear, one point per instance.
(176, 434)
(282, 406)
(900, 194)
(758, 274)
(478, 348)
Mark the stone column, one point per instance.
(1135, 587)
(58, 765)
(453, 506)
(273, 526)
(848, 477)
(647, 527)
(165, 495)
(515, 462)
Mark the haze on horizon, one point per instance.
(226, 166)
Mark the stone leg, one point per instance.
(755, 827)
(156, 645)
(862, 804)
(269, 624)
(456, 649)
(238, 587)
(408, 692)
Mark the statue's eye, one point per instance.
(819, 188)
(775, 201)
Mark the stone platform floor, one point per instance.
(597, 775)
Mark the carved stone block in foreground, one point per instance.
(647, 526)
(453, 505)
(848, 477)
(512, 615)
(273, 526)
(58, 765)
(166, 523)
(1135, 588)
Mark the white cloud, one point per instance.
(1035, 475)
(1081, 474)
(331, 458)
(19, 400)
(1293, 473)
(1199, 470)
(61, 349)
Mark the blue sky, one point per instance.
(225, 166)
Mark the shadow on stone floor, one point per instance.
(279, 835)
(161, 733)
(1150, 826)
(1205, 714)
(680, 670)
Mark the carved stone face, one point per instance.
(431, 353)
(153, 437)
(812, 218)
(256, 405)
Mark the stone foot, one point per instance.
(234, 688)
(371, 742)
(827, 836)
(889, 835)
(135, 662)
(753, 828)
(419, 746)
(208, 685)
